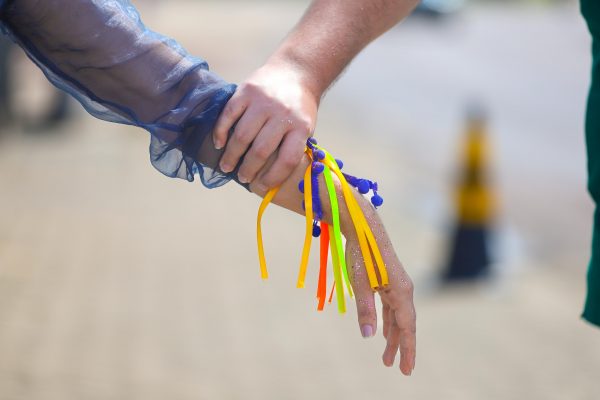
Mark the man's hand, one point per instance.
(274, 109)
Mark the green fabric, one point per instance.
(591, 11)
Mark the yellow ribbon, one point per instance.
(366, 239)
(365, 236)
(308, 234)
(264, 274)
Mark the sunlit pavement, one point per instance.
(118, 283)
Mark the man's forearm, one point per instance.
(276, 107)
(332, 32)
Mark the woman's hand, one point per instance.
(399, 317)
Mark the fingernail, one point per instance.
(261, 187)
(218, 145)
(242, 179)
(225, 168)
(366, 330)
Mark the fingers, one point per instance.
(408, 342)
(393, 341)
(364, 296)
(290, 155)
(365, 309)
(264, 145)
(402, 326)
(244, 133)
(385, 313)
(233, 110)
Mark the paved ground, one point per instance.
(117, 283)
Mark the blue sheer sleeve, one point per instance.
(101, 53)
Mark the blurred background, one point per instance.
(118, 283)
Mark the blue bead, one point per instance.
(318, 167)
(363, 186)
(301, 186)
(319, 154)
(340, 163)
(311, 140)
(316, 231)
(377, 200)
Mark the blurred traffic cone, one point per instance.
(469, 253)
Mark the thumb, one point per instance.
(363, 294)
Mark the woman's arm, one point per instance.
(399, 317)
(102, 54)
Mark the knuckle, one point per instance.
(305, 125)
(300, 119)
(289, 163)
(407, 330)
(249, 87)
(254, 91)
(408, 286)
(287, 111)
(292, 145)
(243, 137)
(364, 312)
(231, 109)
(299, 137)
(393, 297)
(394, 339)
(262, 151)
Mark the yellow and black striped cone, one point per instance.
(469, 256)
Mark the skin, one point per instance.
(276, 107)
(399, 317)
(295, 79)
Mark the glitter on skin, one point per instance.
(357, 271)
(370, 305)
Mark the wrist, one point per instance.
(305, 72)
(346, 222)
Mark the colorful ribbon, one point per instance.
(330, 235)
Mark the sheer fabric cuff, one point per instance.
(100, 52)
